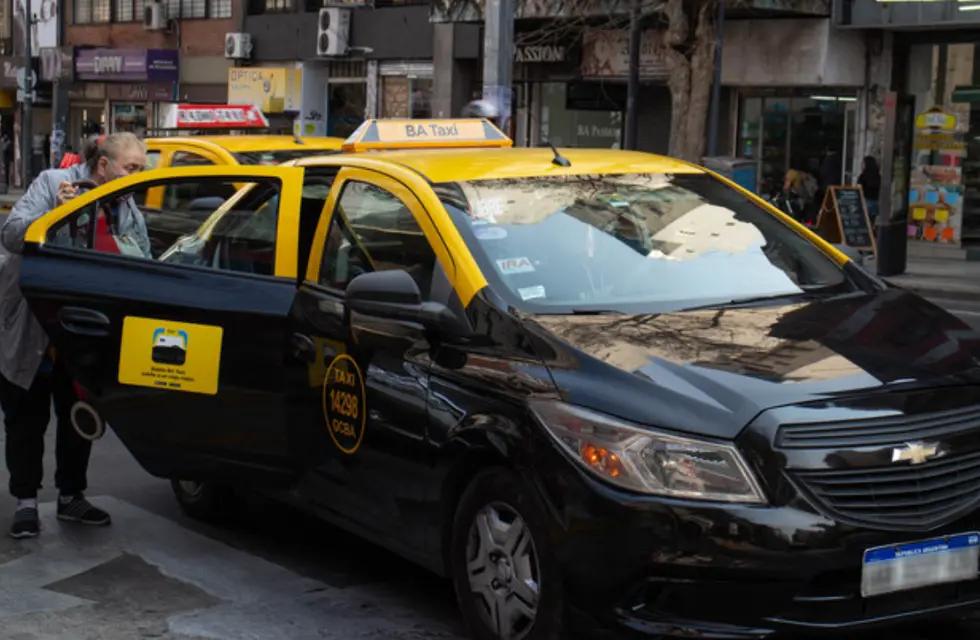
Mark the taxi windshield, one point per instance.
(631, 243)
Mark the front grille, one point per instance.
(907, 497)
(878, 431)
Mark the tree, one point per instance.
(689, 50)
(685, 41)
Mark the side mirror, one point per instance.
(394, 295)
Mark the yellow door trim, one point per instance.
(287, 228)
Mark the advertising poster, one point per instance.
(44, 28)
(936, 186)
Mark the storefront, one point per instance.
(933, 133)
(120, 90)
(804, 115)
(809, 130)
(573, 93)
(943, 194)
(405, 89)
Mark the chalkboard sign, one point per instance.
(844, 218)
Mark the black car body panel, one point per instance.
(711, 371)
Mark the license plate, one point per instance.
(910, 565)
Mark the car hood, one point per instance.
(711, 371)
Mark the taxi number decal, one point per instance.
(175, 356)
(344, 407)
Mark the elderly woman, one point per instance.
(29, 376)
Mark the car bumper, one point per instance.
(662, 567)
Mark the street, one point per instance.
(267, 573)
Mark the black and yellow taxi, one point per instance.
(596, 388)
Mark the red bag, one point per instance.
(69, 160)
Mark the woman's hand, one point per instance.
(66, 192)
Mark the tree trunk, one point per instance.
(690, 65)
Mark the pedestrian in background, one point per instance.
(870, 181)
(30, 373)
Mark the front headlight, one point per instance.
(647, 461)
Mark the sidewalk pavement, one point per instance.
(941, 278)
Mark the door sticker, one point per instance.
(163, 354)
(344, 406)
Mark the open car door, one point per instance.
(181, 353)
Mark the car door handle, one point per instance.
(302, 348)
(84, 322)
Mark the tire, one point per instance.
(506, 577)
(206, 501)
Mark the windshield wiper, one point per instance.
(734, 302)
(595, 312)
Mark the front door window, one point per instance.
(373, 230)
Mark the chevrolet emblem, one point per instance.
(916, 452)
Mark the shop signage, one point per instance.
(272, 89)
(213, 116)
(605, 54)
(44, 24)
(539, 53)
(127, 65)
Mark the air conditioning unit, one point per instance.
(154, 16)
(333, 31)
(238, 46)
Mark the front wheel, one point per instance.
(202, 500)
(505, 576)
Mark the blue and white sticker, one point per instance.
(530, 293)
(510, 266)
(490, 233)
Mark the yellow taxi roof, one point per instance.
(259, 142)
(451, 165)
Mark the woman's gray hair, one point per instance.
(109, 146)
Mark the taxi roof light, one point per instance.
(463, 133)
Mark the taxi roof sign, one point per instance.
(426, 134)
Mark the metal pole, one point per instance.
(26, 137)
(498, 57)
(633, 82)
(716, 87)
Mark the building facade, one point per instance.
(386, 69)
(928, 84)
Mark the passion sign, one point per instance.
(540, 53)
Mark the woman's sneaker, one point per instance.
(26, 523)
(77, 509)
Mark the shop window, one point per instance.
(372, 230)
(240, 230)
